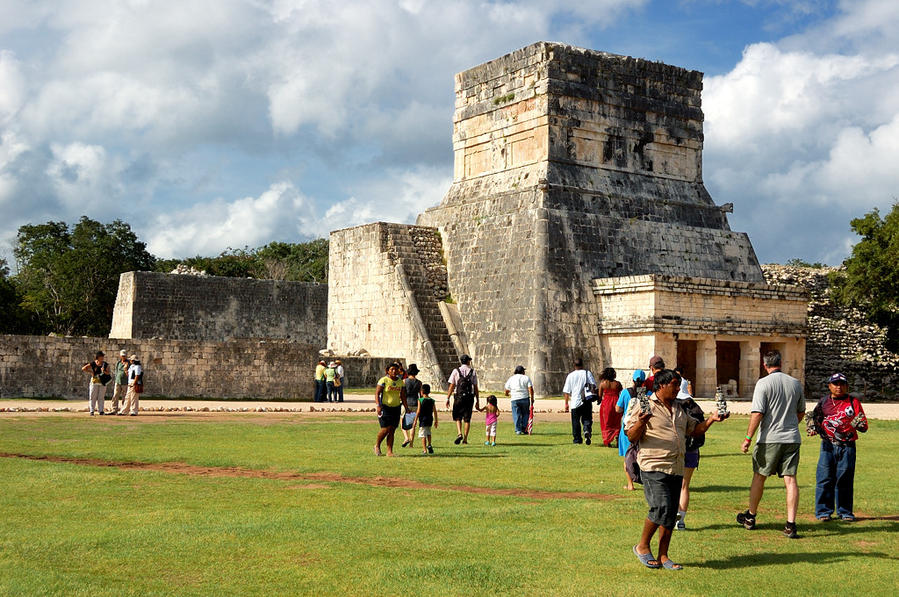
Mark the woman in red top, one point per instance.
(609, 419)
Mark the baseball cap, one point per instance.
(838, 378)
(639, 375)
(656, 362)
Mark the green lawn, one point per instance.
(71, 528)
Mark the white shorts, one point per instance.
(491, 429)
(424, 432)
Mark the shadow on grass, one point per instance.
(504, 444)
(437, 454)
(716, 488)
(768, 559)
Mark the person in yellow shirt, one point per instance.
(390, 396)
(320, 382)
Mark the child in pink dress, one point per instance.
(492, 415)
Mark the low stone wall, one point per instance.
(44, 366)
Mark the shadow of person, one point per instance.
(750, 560)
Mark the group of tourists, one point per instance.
(658, 429)
(329, 381)
(127, 374)
(669, 428)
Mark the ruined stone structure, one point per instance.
(47, 366)
(183, 307)
(577, 225)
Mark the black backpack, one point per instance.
(694, 411)
(465, 386)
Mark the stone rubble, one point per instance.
(840, 338)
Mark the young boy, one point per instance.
(426, 416)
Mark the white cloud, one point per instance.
(279, 213)
(804, 131)
(398, 196)
(12, 87)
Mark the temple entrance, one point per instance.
(727, 362)
(768, 347)
(686, 359)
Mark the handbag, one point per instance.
(104, 378)
(337, 382)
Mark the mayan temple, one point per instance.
(577, 225)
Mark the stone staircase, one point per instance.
(420, 251)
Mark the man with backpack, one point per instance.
(579, 391)
(463, 387)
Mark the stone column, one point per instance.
(749, 366)
(706, 370)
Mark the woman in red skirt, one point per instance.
(609, 420)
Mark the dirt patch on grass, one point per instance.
(322, 477)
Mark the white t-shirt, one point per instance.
(518, 386)
(574, 386)
(133, 371)
(684, 385)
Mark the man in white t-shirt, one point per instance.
(135, 387)
(579, 385)
(520, 389)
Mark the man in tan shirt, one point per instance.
(661, 432)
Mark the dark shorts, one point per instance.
(782, 459)
(662, 492)
(462, 409)
(691, 459)
(390, 416)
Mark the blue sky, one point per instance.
(215, 124)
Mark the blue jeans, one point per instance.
(521, 409)
(835, 477)
(320, 390)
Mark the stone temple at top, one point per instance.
(577, 225)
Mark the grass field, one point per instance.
(297, 504)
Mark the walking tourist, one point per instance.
(691, 456)
(661, 461)
(413, 391)
(389, 398)
(520, 389)
(463, 388)
(837, 418)
(609, 420)
(426, 416)
(96, 391)
(656, 364)
(120, 377)
(686, 386)
(579, 386)
(621, 408)
(135, 387)
(777, 408)
(492, 414)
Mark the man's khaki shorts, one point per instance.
(782, 459)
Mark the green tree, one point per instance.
(69, 277)
(298, 262)
(870, 278)
(13, 319)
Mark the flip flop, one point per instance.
(646, 558)
(669, 565)
(377, 451)
(458, 440)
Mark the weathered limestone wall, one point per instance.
(377, 275)
(46, 366)
(184, 307)
(572, 165)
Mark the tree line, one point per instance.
(67, 277)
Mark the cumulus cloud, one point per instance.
(804, 130)
(279, 213)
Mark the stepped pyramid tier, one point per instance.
(578, 225)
